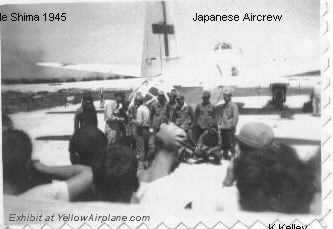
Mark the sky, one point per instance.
(112, 33)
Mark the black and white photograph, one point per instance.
(150, 112)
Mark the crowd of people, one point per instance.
(136, 158)
(209, 128)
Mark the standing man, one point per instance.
(115, 117)
(159, 112)
(86, 115)
(141, 122)
(171, 107)
(184, 115)
(227, 116)
(204, 114)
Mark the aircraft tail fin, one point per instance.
(159, 44)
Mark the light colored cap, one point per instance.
(139, 97)
(256, 135)
(171, 135)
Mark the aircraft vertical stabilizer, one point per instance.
(159, 43)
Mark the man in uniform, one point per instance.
(171, 107)
(184, 116)
(158, 113)
(204, 114)
(209, 145)
(141, 121)
(227, 116)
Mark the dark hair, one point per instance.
(16, 158)
(88, 107)
(87, 96)
(274, 179)
(115, 174)
(85, 143)
(16, 153)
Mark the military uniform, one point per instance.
(158, 115)
(227, 118)
(171, 108)
(184, 117)
(204, 115)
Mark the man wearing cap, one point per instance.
(168, 140)
(158, 113)
(171, 107)
(166, 159)
(170, 185)
(270, 175)
(141, 120)
(115, 116)
(184, 115)
(204, 114)
(227, 118)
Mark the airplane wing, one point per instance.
(130, 71)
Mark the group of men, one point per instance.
(101, 171)
(207, 127)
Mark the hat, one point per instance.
(171, 135)
(139, 97)
(227, 90)
(206, 94)
(256, 135)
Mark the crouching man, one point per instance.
(209, 145)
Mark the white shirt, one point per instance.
(111, 109)
(57, 190)
(200, 185)
(143, 115)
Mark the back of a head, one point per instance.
(274, 179)
(16, 155)
(86, 142)
(115, 174)
(88, 102)
(87, 96)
